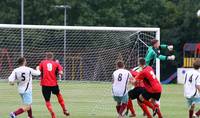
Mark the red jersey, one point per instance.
(139, 83)
(151, 83)
(49, 71)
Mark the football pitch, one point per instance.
(88, 100)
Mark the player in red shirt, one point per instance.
(49, 72)
(153, 88)
(137, 91)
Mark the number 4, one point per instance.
(190, 79)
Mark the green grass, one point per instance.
(88, 100)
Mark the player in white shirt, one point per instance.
(121, 78)
(23, 76)
(192, 88)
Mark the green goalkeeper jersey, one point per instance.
(154, 53)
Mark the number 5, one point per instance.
(23, 76)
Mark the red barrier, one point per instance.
(4, 53)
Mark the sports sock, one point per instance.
(53, 115)
(61, 101)
(49, 107)
(158, 111)
(118, 108)
(18, 111)
(130, 106)
(30, 113)
(149, 104)
(122, 108)
(191, 113)
(198, 113)
(145, 110)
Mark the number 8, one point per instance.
(120, 77)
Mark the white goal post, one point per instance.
(87, 52)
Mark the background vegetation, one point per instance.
(176, 18)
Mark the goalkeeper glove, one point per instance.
(172, 57)
(170, 47)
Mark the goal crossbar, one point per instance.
(96, 28)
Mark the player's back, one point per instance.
(121, 78)
(135, 71)
(49, 71)
(150, 81)
(23, 75)
(192, 78)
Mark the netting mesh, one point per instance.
(89, 54)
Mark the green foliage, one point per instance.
(176, 18)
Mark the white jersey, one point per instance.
(192, 78)
(23, 76)
(120, 83)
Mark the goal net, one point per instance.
(86, 53)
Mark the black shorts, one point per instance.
(148, 95)
(47, 90)
(136, 92)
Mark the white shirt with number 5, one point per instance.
(23, 76)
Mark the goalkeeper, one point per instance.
(154, 52)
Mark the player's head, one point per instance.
(49, 56)
(155, 43)
(196, 64)
(21, 61)
(142, 62)
(120, 64)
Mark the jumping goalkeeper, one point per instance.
(154, 52)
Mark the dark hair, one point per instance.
(49, 55)
(196, 64)
(21, 61)
(142, 61)
(120, 64)
(154, 41)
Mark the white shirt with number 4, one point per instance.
(120, 84)
(192, 78)
(23, 76)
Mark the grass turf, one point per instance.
(88, 100)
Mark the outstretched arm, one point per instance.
(35, 72)
(164, 46)
(162, 57)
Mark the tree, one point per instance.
(176, 18)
